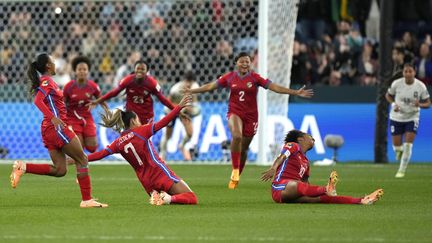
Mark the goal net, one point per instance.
(174, 36)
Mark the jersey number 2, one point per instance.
(241, 94)
(132, 148)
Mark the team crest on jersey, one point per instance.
(146, 92)
(44, 83)
(88, 95)
(249, 84)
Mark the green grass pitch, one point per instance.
(46, 209)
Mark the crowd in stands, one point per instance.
(336, 40)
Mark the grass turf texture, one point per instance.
(46, 209)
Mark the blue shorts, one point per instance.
(399, 128)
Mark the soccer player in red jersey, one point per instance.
(139, 88)
(290, 173)
(58, 137)
(134, 144)
(242, 107)
(77, 94)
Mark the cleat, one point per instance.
(235, 177)
(232, 184)
(92, 203)
(331, 185)
(400, 174)
(18, 169)
(166, 198)
(399, 155)
(155, 198)
(373, 197)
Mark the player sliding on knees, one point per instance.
(134, 144)
(290, 173)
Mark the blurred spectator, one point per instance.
(320, 66)
(62, 66)
(313, 17)
(424, 64)
(347, 45)
(300, 64)
(127, 67)
(335, 78)
(360, 9)
(409, 42)
(367, 66)
(114, 49)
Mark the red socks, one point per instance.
(340, 199)
(242, 165)
(184, 198)
(85, 187)
(235, 160)
(39, 169)
(304, 189)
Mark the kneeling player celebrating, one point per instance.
(291, 172)
(134, 144)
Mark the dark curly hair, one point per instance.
(80, 59)
(293, 135)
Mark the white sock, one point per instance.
(165, 197)
(397, 148)
(406, 156)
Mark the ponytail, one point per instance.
(118, 120)
(33, 76)
(34, 70)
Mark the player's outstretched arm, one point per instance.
(205, 88)
(186, 101)
(92, 157)
(302, 92)
(269, 174)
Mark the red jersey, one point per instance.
(136, 147)
(138, 95)
(244, 90)
(77, 96)
(49, 99)
(294, 167)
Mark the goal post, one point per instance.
(276, 29)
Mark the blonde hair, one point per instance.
(113, 120)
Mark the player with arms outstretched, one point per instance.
(242, 107)
(406, 96)
(78, 94)
(134, 144)
(290, 173)
(58, 137)
(139, 88)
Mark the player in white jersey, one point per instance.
(175, 95)
(406, 95)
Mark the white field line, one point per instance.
(123, 162)
(199, 238)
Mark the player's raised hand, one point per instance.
(186, 100)
(91, 105)
(305, 93)
(268, 174)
